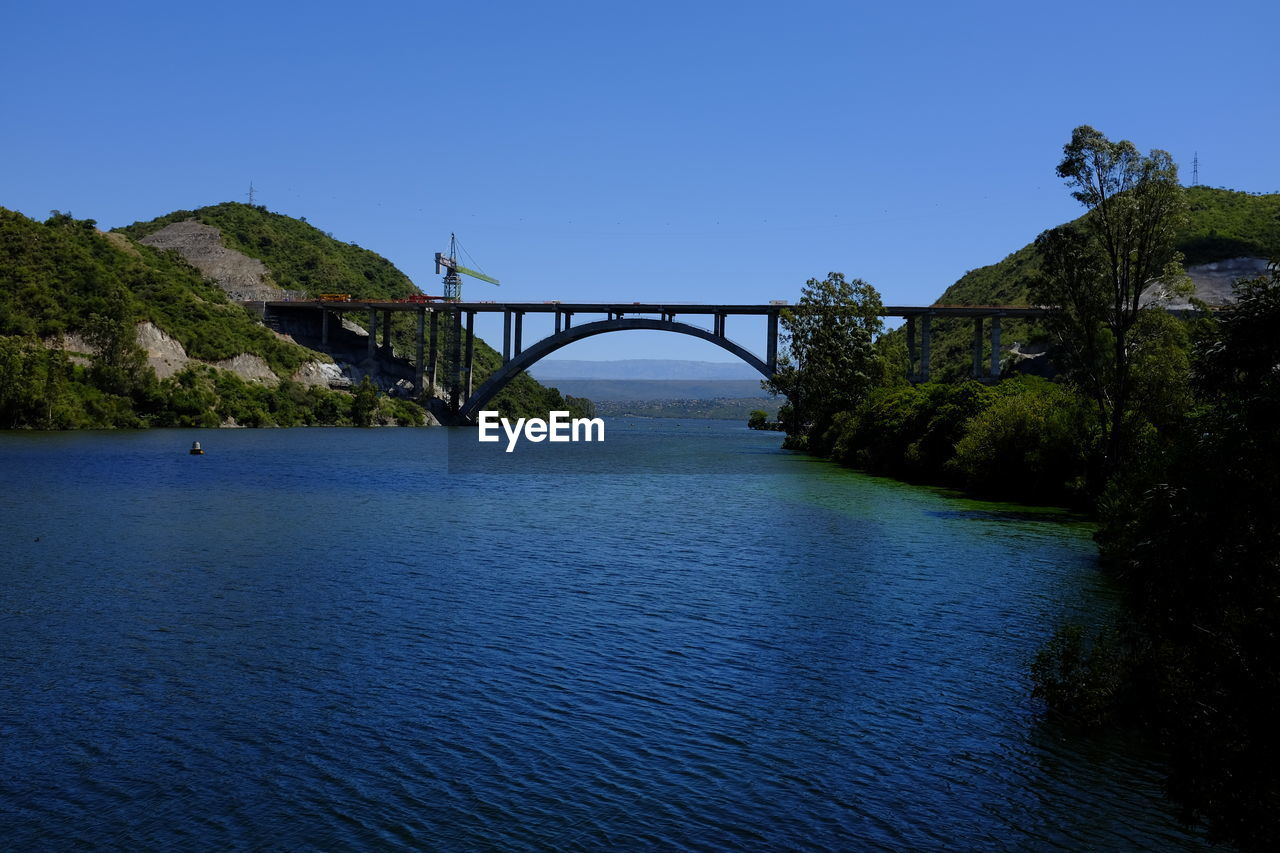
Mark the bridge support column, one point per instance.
(324, 327)
(386, 331)
(911, 349)
(926, 323)
(418, 366)
(771, 354)
(373, 333)
(559, 319)
(519, 330)
(977, 348)
(719, 325)
(506, 335)
(471, 348)
(995, 346)
(455, 358)
(568, 320)
(435, 350)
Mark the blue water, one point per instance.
(323, 639)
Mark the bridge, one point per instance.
(604, 317)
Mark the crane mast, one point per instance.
(453, 272)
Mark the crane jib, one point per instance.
(475, 274)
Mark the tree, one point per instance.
(365, 403)
(1198, 560)
(830, 363)
(1095, 272)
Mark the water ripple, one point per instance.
(322, 641)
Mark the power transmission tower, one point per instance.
(251, 193)
(1195, 170)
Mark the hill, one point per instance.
(1223, 224)
(87, 318)
(643, 369)
(664, 389)
(295, 254)
(298, 258)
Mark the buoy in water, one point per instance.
(196, 449)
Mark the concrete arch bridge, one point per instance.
(607, 317)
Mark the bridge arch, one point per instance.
(535, 353)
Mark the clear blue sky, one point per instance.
(693, 151)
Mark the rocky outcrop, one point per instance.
(242, 277)
(322, 375)
(167, 356)
(1212, 283)
(164, 353)
(249, 367)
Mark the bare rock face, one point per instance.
(165, 354)
(322, 375)
(242, 277)
(249, 367)
(1212, 282)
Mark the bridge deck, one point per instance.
(664, 308)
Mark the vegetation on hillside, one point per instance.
(1094, 274)
(828, 361)
(298, 255)
(1191, 538)
(1165, 429)
(301, 257)
(1220, 224)
(63, 279)
(64, 276)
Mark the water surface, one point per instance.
(323, 639)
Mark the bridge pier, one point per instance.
(455, 361)
(418, 366)
(373, 333)
(558, 321)
(506, 335)
(976, 372)
(911, 349)
(519, 333)
(995, 346)
(926, 323)
(435, 350)
(386, 331)
(926, 339)
(471, 350)
(771, 355)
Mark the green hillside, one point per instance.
(299, 255)
(65, 276)
(65, 281)
(1222, 224)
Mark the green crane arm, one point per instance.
(475, 274)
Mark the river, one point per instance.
(323, 639)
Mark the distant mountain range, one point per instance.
(660, 389)
(554, 370)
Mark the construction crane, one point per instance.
(451, 267)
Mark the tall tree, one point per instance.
(1197, 556)
(1096, 272)
(829, 363)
